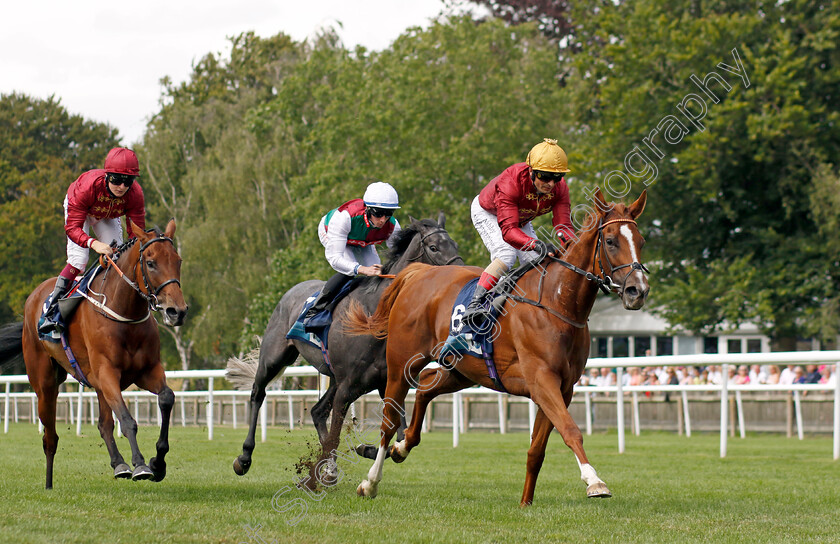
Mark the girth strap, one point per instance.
(571, 322)
(77, 370)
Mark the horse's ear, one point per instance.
(441, 220)
(412, 219)
(638, 207)
(600, 203)
(170, 229)
(136, 231)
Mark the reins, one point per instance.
(604, 282)
(149, 296)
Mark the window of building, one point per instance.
(753, 345)
(621, 346)
(733, 345)
(687, 345)
(710, 344)
(641, 344)
(664, 345)
(599, 347)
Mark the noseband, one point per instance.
(608, 284)
(426, 251)
(150, 296)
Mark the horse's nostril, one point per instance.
(171, 312)
(632, 292)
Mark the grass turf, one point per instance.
(666, 488)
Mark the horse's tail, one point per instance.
(241, 371)
(11, 343)
(356, 322)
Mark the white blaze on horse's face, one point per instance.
(627, 233)
(636, 285)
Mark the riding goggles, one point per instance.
(121, 179)
(380, 212)
(549, 176)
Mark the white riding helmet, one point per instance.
(381, 195)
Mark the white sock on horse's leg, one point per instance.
(587, 473)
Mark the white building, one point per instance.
(617, 332)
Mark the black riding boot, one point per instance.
(476, 313)
(61, 285)
(328, 293)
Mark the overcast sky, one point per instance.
(104, 60)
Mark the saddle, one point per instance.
(68, 304)
(466, 339)
(316, 329)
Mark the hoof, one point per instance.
(142, 472)
(158, 469)
(241, 467)
(366, 489)
(122, 471)
(598, 490)
(369, 452)
(396, 454)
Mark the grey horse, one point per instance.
(357, 363)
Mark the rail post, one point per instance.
(6, 408)
(686, 414)
(619, 400)
(210, 409)
(724, 407)
(837, 411)
(797, 403)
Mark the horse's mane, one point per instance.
(403, 239)
(125, 246)
(399, 246)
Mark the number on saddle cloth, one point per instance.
(464, 339)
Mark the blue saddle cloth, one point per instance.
(316, 330)
(465, 339)
(63, 311)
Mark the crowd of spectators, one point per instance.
(712, 375)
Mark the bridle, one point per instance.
(425, 249)
(607, 278)
(151, 297)
(151, 294)
(604, 281)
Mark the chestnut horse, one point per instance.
(541, 342)
(115, 342)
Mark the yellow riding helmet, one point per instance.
(547, 156)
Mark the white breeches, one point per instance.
(106, 231)
(487, 225)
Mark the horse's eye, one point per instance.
(433, 248)
(150, 263)
(610, 242)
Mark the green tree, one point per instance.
(731, 212)
(43, 149)
(203, 168)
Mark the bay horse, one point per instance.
(357, 364)
(541, 343)
(116, 344)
